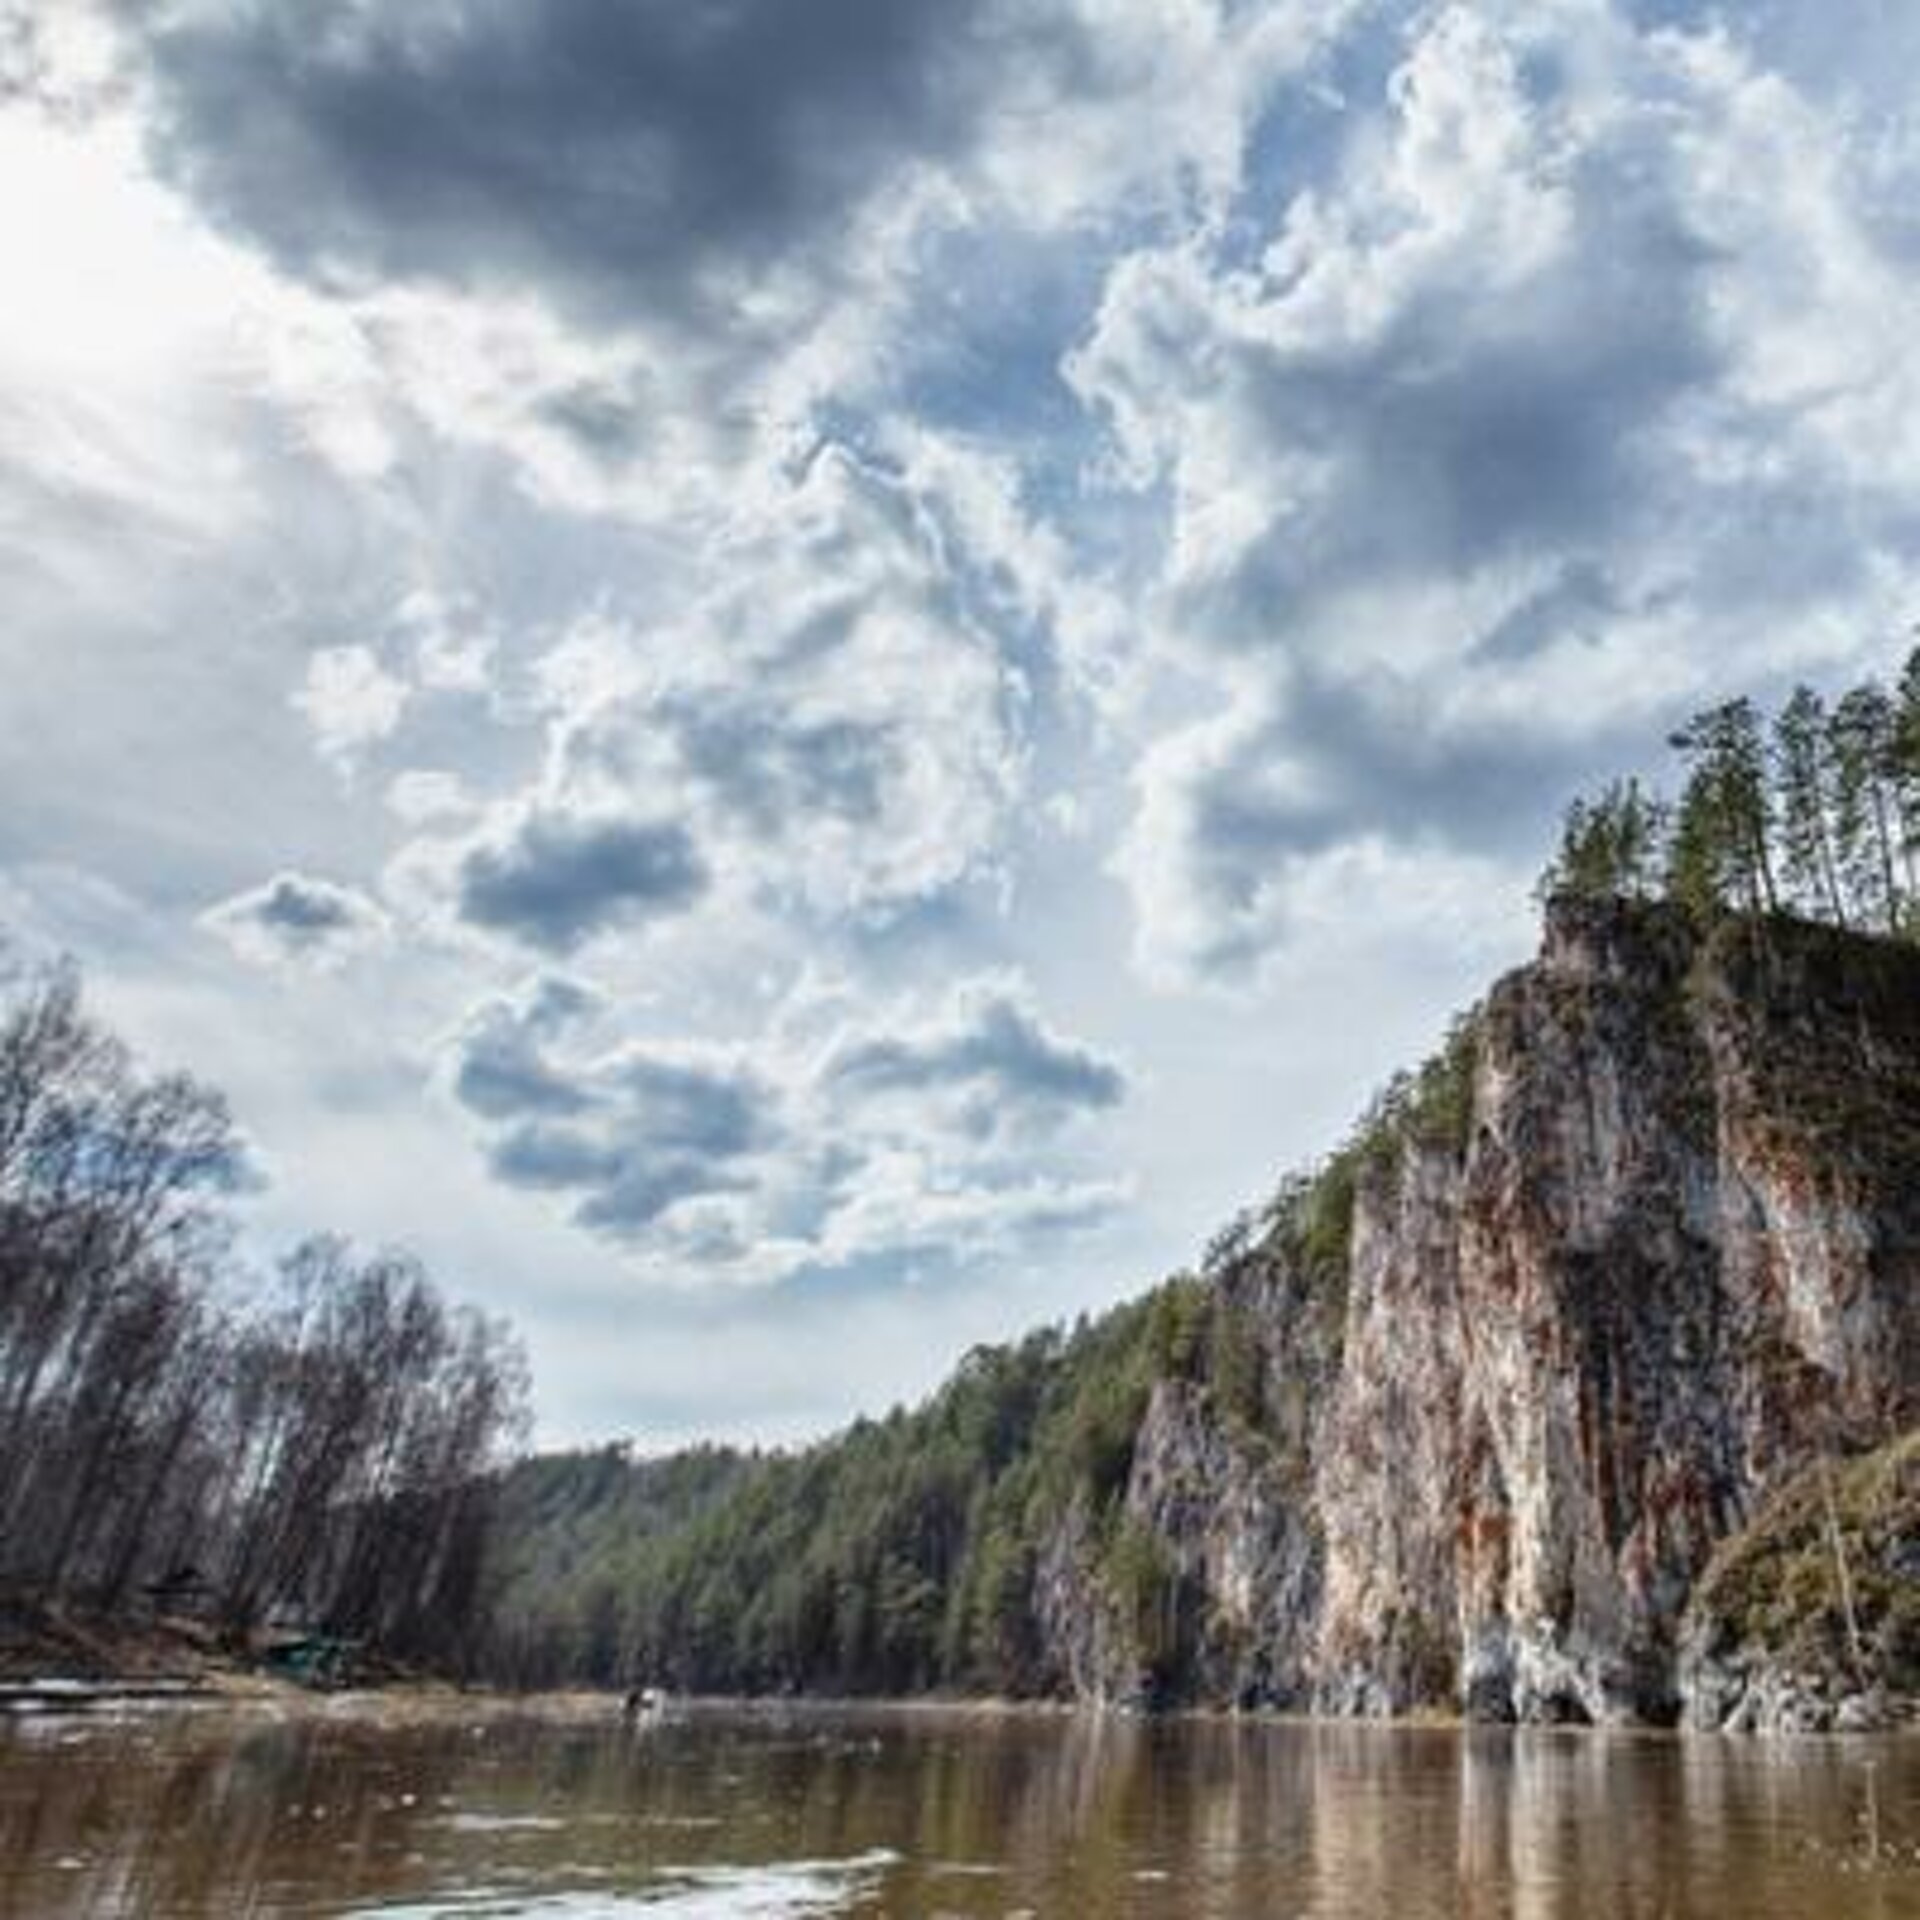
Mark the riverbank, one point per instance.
(55, 1654)
(59, 1658)
(41, 1640)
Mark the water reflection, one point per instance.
(925, 1813)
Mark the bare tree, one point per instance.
(322, 1444)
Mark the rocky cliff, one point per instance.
(1657, 1253)
(1458, 1421)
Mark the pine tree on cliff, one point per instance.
(1804, 773)
(1818, 810)
(1610, 846)
(1906, 772)
(1697, 873)
(1863, 731)
(1732, 803)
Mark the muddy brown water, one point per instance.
(773, 1814)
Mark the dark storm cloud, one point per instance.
(998, 1056)
(615, 152)
(559, 880)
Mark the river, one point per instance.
(773, 1814)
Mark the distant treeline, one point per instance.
(1814, 810)
(316, 1445)
(901, 1555)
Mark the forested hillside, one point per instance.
(897, 1556)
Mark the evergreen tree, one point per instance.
(1733, 803)
(1904, 771)
(1610, 846)
(1862, 733)
(1818, 807)
(1697, 874)
(1803, 771)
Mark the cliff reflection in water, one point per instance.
(936, 1811)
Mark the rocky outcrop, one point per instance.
(1808, 1619)
(1224, 1496)
(1663, 1252)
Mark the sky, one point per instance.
(798, 684)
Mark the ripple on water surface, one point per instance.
(787, 1891)
(913, 1814)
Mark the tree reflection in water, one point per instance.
(923, 1811)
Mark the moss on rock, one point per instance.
(1775, 1593)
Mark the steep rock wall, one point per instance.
(1669, 1257)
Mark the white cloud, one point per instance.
(834, 715)
(831, 1138)
(1511, 431)
(350, 700)
(453, 644)
(430, 796)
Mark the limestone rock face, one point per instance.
(1668, 1254)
